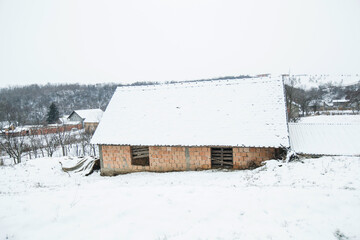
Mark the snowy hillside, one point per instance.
(316, 199)
(308, 81)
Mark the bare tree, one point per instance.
(13, 143)
(84, 138)
(12, 139)
(49, 142)
(84, 141)
(353, 95)
(62, 137)
(88, 136)
(303, 99)
(35, 141)
(291, 95)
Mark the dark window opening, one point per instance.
(140, 156)
(221, 157)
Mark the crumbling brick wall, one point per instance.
(117, 159)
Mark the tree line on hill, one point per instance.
(29, 104)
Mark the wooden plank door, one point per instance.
(221, 157)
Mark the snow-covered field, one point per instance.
(331, 119)
(316, 199)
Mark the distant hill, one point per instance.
(29, 104)
(308, 81)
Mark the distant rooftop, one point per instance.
(341, 101)
(90, 115)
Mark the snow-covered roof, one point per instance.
(341, 101)
(8, 124)
(315, 102)
(90, 115)
(64, 119)
(237, 112)
(325, 138)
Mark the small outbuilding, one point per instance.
(235, 123)
(89, 118)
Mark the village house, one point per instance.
(234, 124)
(8, 125)
(89, 118)
(341, 104)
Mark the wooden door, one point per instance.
(221, 157)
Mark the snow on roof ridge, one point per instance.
(196, 145)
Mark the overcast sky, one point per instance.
(92, 41)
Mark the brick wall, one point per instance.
(167, 158)
(244, 158)
(200, 158)
(117, 159)
(41, 130)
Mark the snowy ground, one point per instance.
(317, 199)
(331, 119)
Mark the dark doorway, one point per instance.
(140, 155)
(221, 157)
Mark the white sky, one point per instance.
(91, 41)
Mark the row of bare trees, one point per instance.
(38, 143)
(300, 101)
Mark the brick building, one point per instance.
(235, 124)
